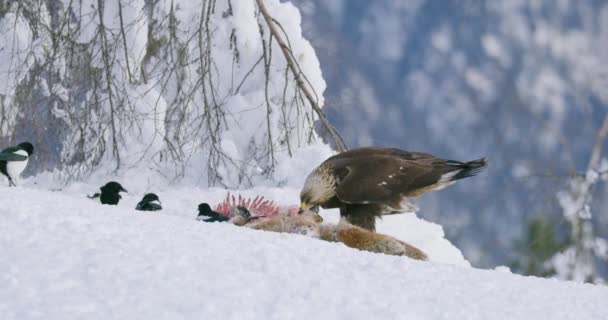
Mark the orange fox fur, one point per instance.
(362, 239)
(352, 236)
(306, 224)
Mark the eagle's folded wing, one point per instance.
(381, 179)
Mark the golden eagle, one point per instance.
(372, 181)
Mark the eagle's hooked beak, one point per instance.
(305, 207)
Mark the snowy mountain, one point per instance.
(66, 256)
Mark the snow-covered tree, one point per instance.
(180, 87)
(579, 261)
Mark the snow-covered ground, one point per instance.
(67, 257)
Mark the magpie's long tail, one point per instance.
(467, 169)
(95, 195)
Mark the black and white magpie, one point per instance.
(150, 202)
(13, 161)
(241, 216)
(207, 215)
(110, 193)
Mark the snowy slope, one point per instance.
(410, 228)
(67, 257)
(181, 201)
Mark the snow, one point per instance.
(493, 48)
(65, 256)
(425, 235)
(182, 199)
(586, 253)
(12, 49)
(441, 40)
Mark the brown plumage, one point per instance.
(369, 182)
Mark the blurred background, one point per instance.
(523, 83)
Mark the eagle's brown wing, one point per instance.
(381, 151)
(384, 178)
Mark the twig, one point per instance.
(124, 41)
(599, 143)
(299, 80)
(108, 76)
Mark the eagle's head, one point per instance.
(320, 187)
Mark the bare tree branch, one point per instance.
(599, 143)
(299, 79)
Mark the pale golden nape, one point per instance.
(319, 187)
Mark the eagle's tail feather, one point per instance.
(467, 169)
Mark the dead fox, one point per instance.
(362, 239)
(311, 225)
(304, 224)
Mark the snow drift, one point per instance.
(65, 256)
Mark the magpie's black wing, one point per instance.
(10, 156)
(11, 149)
(154, 207)
(217, 219)
(148, 206)
(213, 217)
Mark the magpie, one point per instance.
(150, 202)
(13, 161)
(207, 215)
(110, 193)
(241, 216)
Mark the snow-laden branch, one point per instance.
(578, 261)
(179, 87)
(303, 83)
